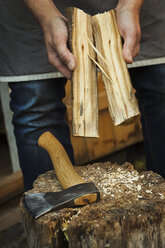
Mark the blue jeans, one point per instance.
(149, 83)
(37, 108)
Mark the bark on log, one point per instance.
(84, 77)
(131, 213)
(122, 102)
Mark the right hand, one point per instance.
(56, 38)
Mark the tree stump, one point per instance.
(130, 214)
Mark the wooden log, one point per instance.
(84, 77)
(122, 102)
(131, 213)
(11, 186)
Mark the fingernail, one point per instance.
(71, 65)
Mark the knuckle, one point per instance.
(65, 59)
(64, 56)
(52, 58)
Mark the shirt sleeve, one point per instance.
(91, 7)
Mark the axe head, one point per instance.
(78, 195)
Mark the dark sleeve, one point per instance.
(91, 7)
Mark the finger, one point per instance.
(65, 55)
(59, 65)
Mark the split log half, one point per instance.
(122, 102)
(131, 213)
(84, 77)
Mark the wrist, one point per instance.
(132, 5)
(43, 10)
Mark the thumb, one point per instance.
(131, 44)
(66, 56)
(128, 49)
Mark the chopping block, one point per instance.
(131, 212)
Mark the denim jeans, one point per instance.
(37, 108)
(149, 82)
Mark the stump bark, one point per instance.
(130, 214)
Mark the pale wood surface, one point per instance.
(122, 102)
(84, 78)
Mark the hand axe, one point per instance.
(76, 191)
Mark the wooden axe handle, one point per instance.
(64, 169)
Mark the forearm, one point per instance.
(134, 5)
(42, 9)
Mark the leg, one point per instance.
(149, 83)
(37, 108)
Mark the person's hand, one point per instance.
(56, 37)
(128, 12)
(55, 31)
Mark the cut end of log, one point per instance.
(129, 121)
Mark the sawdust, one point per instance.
(113, 181)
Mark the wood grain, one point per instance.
(84, 78)
(121, 98)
